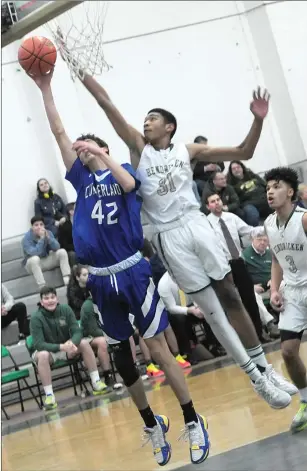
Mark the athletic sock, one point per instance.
(251, 370)
(94, 375)
(303, 394)
(48, 390)
(258, 356)
(148, 417)
(189, 413)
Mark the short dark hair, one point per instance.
(200, 139)
(168, 117)
(92, 137)
(47, 290)
(147, 249)
(70, 206)
(285, 174)
(37, 219)
(209, 194)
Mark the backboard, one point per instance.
(29, 15)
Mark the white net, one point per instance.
(78, 34)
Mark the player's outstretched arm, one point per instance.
(56, 126)
(259, 107)
(133, 138)
(121, 175)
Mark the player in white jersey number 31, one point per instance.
(185, 240)
(287, 233)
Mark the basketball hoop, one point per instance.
(78, 36)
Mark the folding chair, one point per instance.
(17, 375)
(72, 364)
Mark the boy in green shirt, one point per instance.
(57, 336)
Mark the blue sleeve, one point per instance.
(131, 170)
(53, 243)
(30, 248)
(75, 174)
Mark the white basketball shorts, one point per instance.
(294, 315)
(191, 252)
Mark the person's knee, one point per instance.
(62, 254)
(84, 346)
(21, 307)
(43, 357)
(33, 261)
(101, 344)
(289, 348)
(124, 363)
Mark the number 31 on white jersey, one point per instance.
(98, 214)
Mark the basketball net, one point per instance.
(78, 36)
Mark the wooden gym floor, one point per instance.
(104, 434)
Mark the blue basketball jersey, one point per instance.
(107, 223)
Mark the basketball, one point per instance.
(37, 55)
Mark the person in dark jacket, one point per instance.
(77, 292)
(56, 335)
(203, 170)
(218, 184)
(65, 234)
(251, 190)
(50, 206)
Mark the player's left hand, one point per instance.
(260, 104)
(89, 147)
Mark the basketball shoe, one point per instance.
(153, 371)
(161, 448)
(299, 421)
(197, 434)
(182, 362)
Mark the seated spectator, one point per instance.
(251, 190)
(182, 316)
(11, 312)
(49, 206)
(302, 195)
(218, 184)
(57, 336)
(77, 292)
(203, 170)
(42, 252)
(93, 333)
(65, 234)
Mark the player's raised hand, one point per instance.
(89, 147)
(260, 104)
(42, 81)
(277, 301)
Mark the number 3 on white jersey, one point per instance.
(98, 214)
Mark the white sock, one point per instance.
(94, 375)
(209, 303)
(258, 357)
(303, 394)
(48, 390)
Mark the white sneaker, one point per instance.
(279, 381)
(275, 397)
(197, 434)
(161, 448)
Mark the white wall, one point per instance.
(203, 73)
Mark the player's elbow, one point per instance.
(128, 185)
(244, 154)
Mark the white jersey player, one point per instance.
(287, 233)
(183, 237)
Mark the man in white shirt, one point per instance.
(230, 229)
(183, 315)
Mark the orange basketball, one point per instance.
(37, 55)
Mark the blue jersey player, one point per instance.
(108, 238)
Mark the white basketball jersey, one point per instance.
(166, 183)
(289, 245)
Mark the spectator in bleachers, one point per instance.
(258, 260)
(218, 184)
(57, 336)
(251, 190)
(49, 206)
(302, 195)
(77, 291)
(203, 170)
(11, 311)
(93, 333)
(42, 252)
(65, 234)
